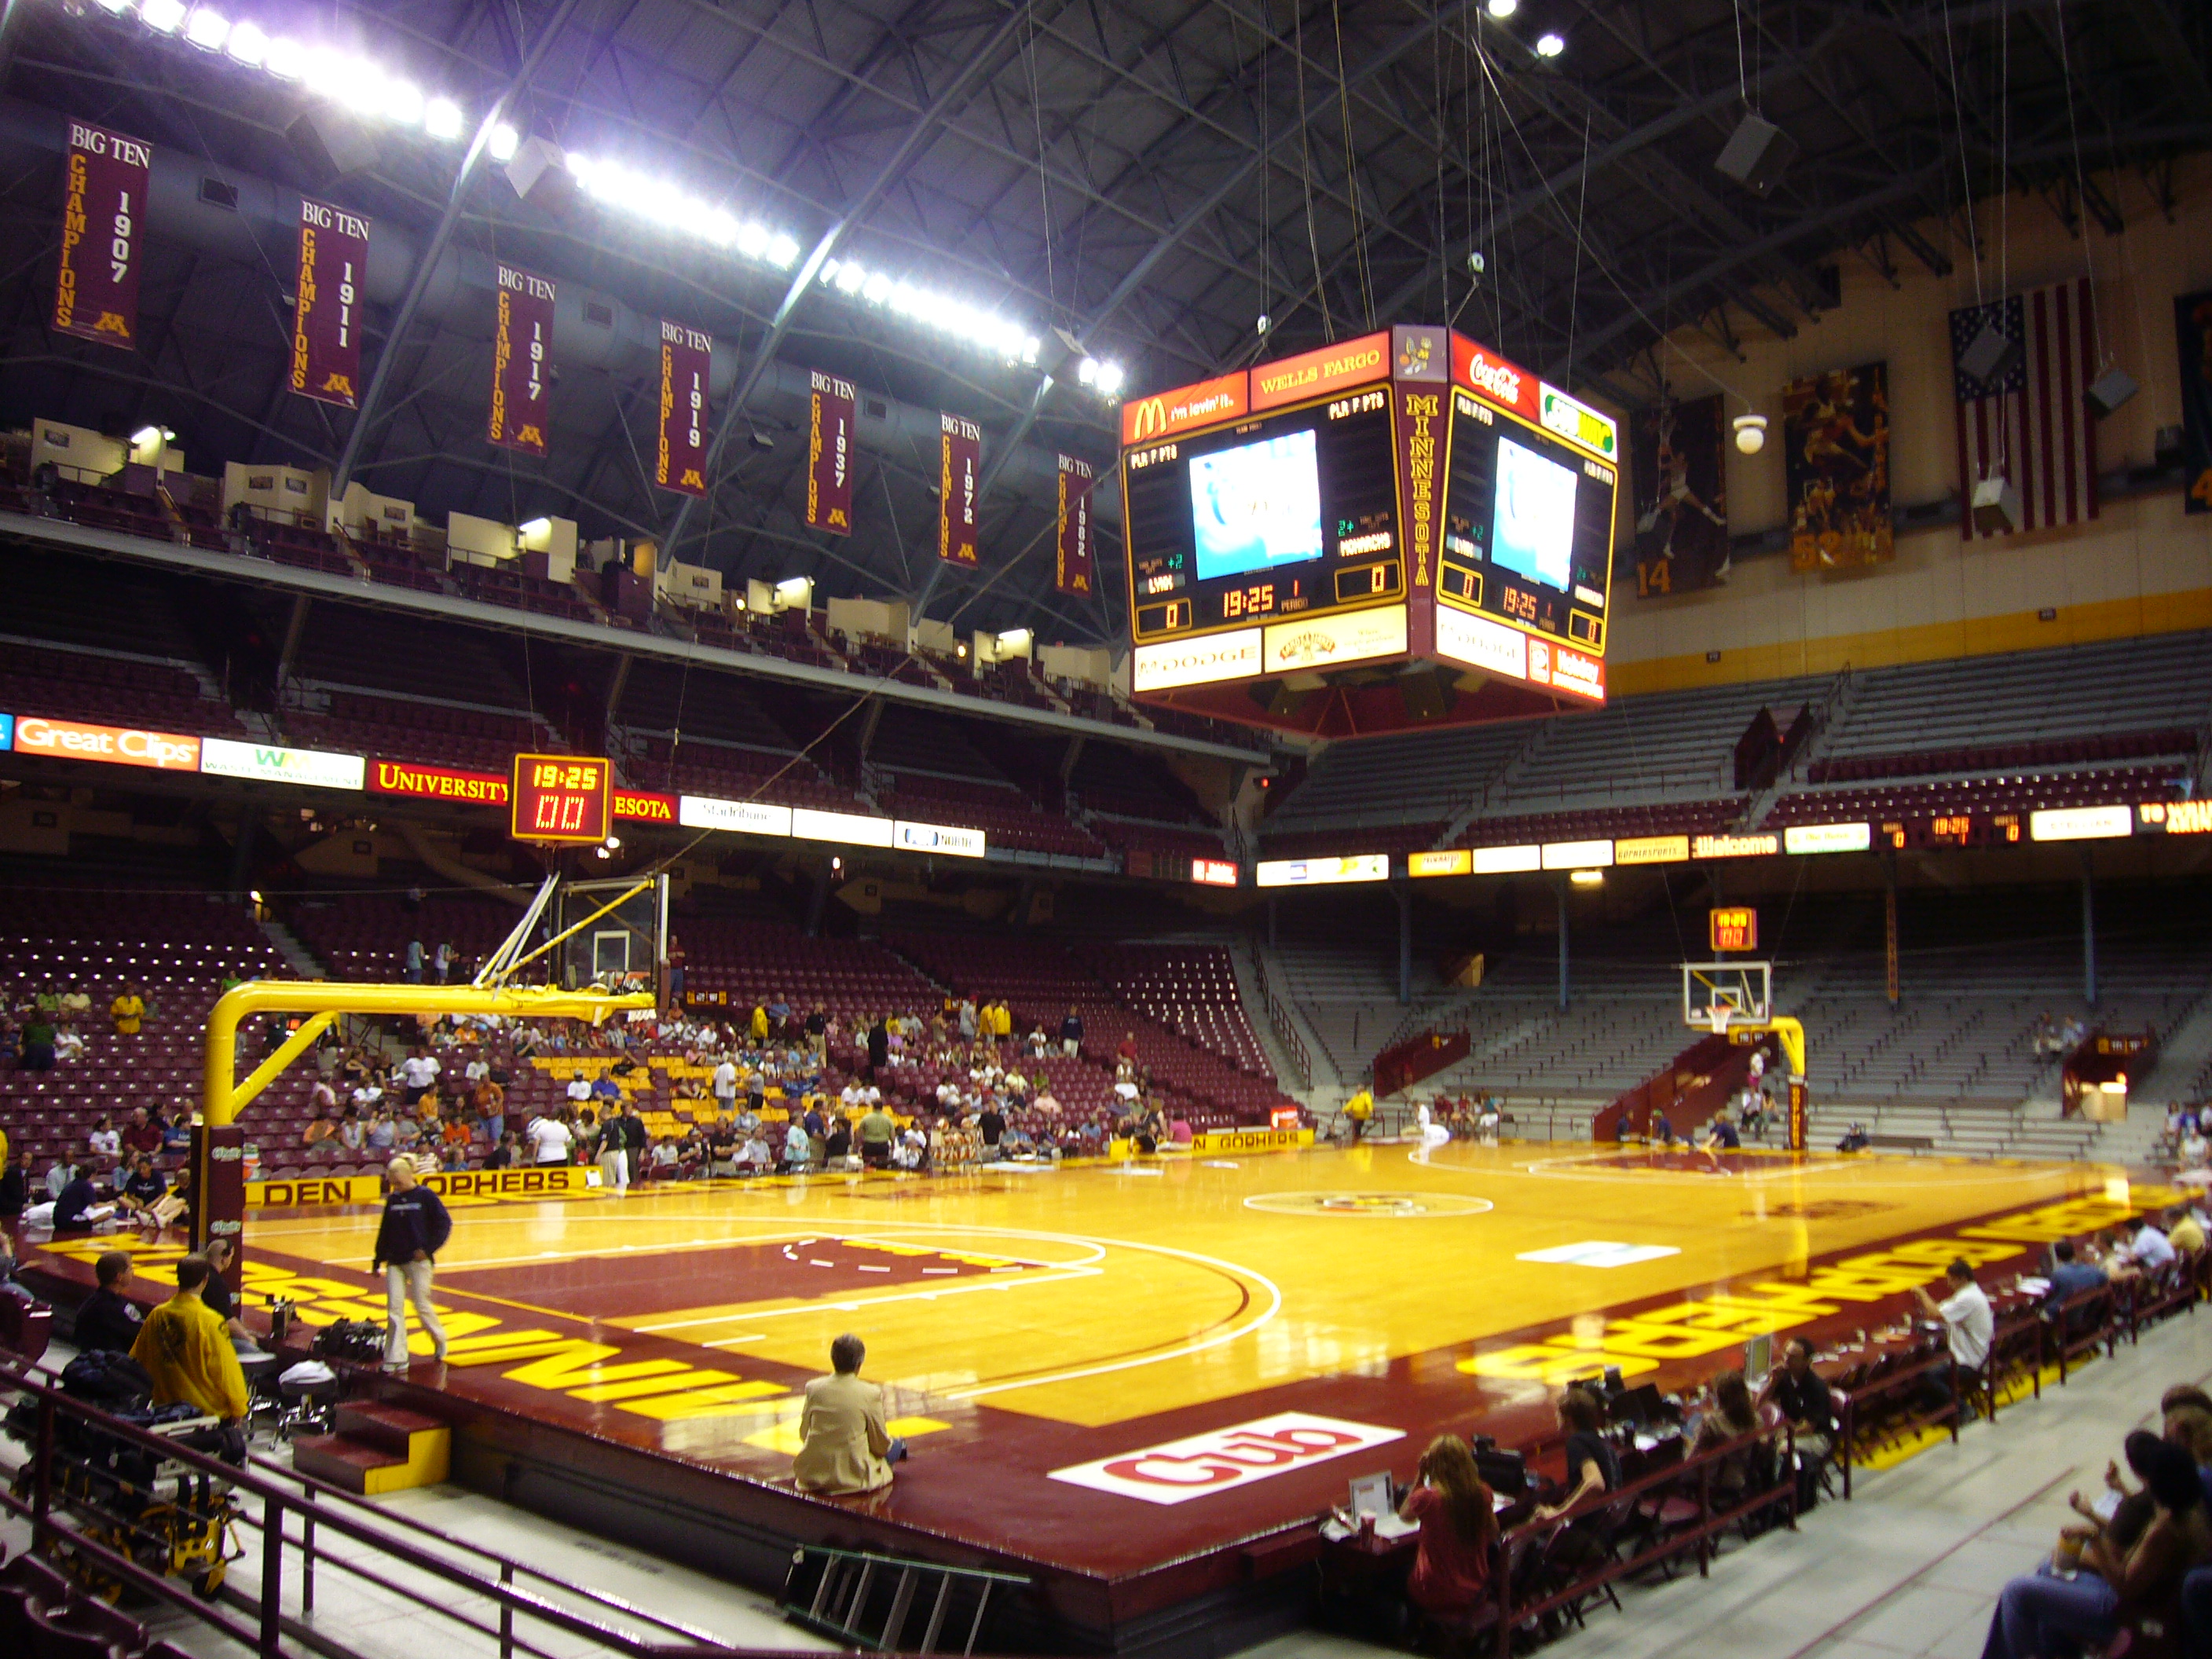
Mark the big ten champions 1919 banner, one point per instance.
(2192, 324)
(687, 356)
(1835, 438)
(830, 453)
(1072, 567)
(959, 461)
(326, 315)
(521, 352)
(1677, 455)
(103, 205)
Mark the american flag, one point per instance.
(2029, 425)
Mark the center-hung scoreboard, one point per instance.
(1400, 529)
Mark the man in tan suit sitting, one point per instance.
(844, 1446)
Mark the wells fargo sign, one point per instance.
(1332, 369)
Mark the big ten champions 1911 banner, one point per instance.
(830, 453)
(326, 316)
(959, 462)
(1680, 477)
(521, 352)
(2192, 324)
(1835, 437)
(1072, 571)
(103, 205)
(687, 356)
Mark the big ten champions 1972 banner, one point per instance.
(959, 462)
(687, 356)
(1072, 570)
(103, 205)
(830, 453)
(326, 316)
(521, 352)
(1680, 466)
(1835, 435)
(2193, 324)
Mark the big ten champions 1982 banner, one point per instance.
(326, 316)
(103, 205)
(2192, 324)
(830, 453)
(1072, 564)
(522, 350)
(960, 460)
(687, 356)
(1835, 435)
(1680, 476)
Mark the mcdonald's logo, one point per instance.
(1203, 405)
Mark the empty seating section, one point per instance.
(2019, 792)
(347, 647)
(1691, 818)
(444, 733)
(702, 736)
(364, 936)
(1190, 989)
(927, 769)
(108, 689)
(1424, 778)
(750, 962)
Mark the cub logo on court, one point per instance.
(1214, 1462)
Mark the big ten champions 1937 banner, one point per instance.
(1680, 475)
(959, 462)
(103, 205)
(1835, 437)
(687, 356)
(521, 352)
(830, 453)
(326, 316)
(1071, 572)
(2192, 323)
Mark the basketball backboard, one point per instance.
(1718, 994)
(625, 947)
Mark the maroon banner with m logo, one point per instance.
(960, 462)
(326, 317)
(829, 454)
(522, 349)
(1072, 571)
(687, 356)
(103, 205)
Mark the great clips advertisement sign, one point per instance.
(115, 745)
(1223, 1459)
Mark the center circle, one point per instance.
(1388, 1207)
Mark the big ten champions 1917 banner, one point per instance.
(2192, 324)
(103, 205)
(521, 352)
(959, 460)
(326, 316)
(1835, 438)
(1071, 572)
(687, 356)
(830, 453)
(1680, 476)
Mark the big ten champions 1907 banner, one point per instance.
(1835, 437)
(1680, 476)
(959, 462)
(687, 356)
(2192, 324)
(521, 352)
(1072, 570)
(326, 316)
(830, 453)
(103, 205)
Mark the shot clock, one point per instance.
(561, 799)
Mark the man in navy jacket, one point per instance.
(415, 1228)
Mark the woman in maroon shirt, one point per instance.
(1449, 1500)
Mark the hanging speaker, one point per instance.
(1992, 355)
(331, 144)
(538, 162)
(1757, 154)
(1996, 507)
(2109, 391)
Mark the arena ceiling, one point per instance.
(1151, 176)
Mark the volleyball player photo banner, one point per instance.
(1678, 457)
(1072, 571)
(830, 453)
(1835, 437)
(522, 351)
(103, 205)
(2192, 325)
(326, 315)
(959, 463)
(687, 356)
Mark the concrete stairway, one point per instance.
(378, 1449)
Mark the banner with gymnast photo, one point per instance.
(1678, 468)
(1835, 445)
(2192, 327)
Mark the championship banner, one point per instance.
(103, 203)
(830, 453)
(522, 342)
(1835, 450)
(960, 460)
(1677, 457)
(686, 356)
(2192, 328)
(326, 317)
(1072, 571)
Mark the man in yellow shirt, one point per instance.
(127, 1011)
(2182, 1231)
(187, 1352)
(1359, 1109)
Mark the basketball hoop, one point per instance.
(1720, 1014)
